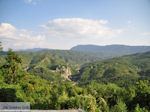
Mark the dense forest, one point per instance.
(53, 79)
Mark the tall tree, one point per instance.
(12, 67)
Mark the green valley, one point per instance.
(53, 79)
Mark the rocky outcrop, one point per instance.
(64, 70)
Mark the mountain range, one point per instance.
(111, 50)
(64, 79)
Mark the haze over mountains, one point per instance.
(114, 49)
(94, 52)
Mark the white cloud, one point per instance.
(63, 33)
(67, 32)
(32, 2)
(145, 33)
(7, 29)
(80, 28)
(12, 37)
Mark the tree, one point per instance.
(84, 102)
(12, 68)
(139, 109)
(143, 94)
(119, 107)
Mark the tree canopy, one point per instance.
(114, 85)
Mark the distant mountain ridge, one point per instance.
(34, 49)
(111, 49)
(88, 53)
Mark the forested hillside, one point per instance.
(131, 66)
(48, 80)
(72, 57)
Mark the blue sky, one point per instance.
(62, 24)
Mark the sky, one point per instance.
(62, 24)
